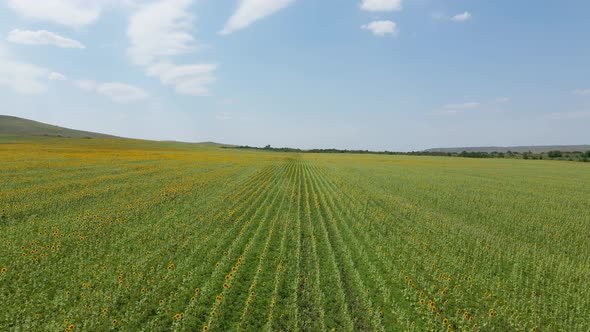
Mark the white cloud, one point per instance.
(55, 76)
(381, 28)
(74, 13)
(461, 17)
(188, 79)
(502, 100)
(250, 11)
(22, 77)
(582, 92)
(161, 30)
(121, 93)
(42, 37)
(381, 5)
(117, 92)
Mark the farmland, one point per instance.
(101, 234)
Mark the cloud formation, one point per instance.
(73, 13)
(117, 92)
(466, 16)
(381, 5)
(250, 11)
(582, 92)
(381, 28)
(188, 79)
(55, 76)
(22, 77)
(160, 31)
(42, 37)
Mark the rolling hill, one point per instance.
(14, 126)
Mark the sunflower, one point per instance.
(171, 266)
(104, 310)
(445, 321)
(205, 328)
(225, 285)
(115, 322)
(492, 313)
(4, 270)
(71, 327)
(212, 313)
(422, 301)
(197, 290)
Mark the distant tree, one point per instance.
(587, 154)
(554, 154)
(525, 155)
(268, 147)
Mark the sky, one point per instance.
(396, 75)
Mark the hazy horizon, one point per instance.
(361, 74)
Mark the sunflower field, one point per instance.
(124, 235)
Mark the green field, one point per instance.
(100, 234)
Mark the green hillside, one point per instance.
(14, 126)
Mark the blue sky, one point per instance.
(359, 74)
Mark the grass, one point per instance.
(128, 235)
(14, 126)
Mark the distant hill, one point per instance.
(14, 126)
(534, 149)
